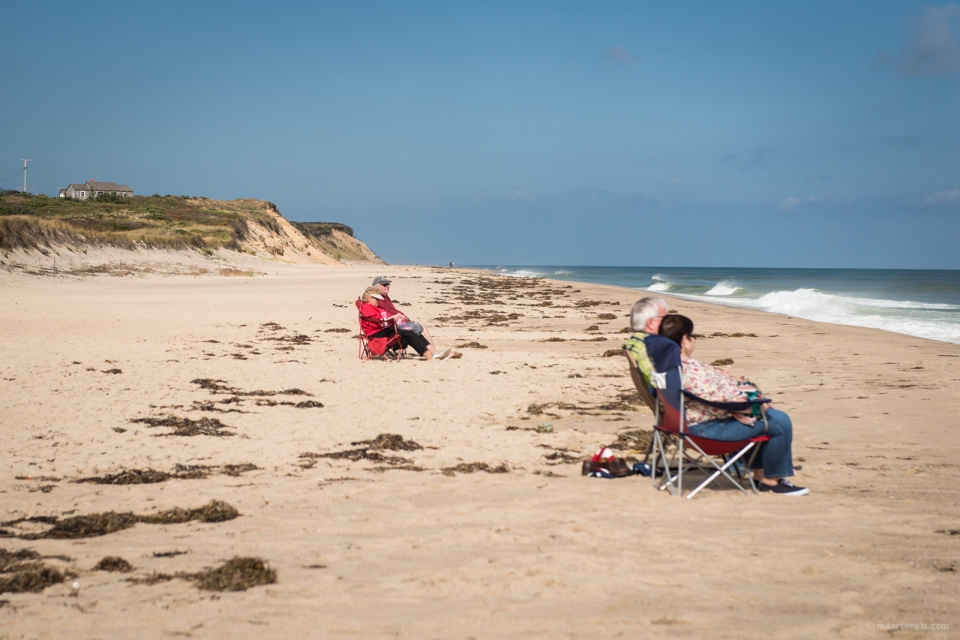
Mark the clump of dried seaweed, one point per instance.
(100, 524)
(23, 572)
(187, 427)
(114, 563)
(215, 387)
(236, 574)
(474, 467)
(370, 450)
(633, 440)
(128, 476)
(180, 472)
(389, 441)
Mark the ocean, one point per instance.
(922, 303)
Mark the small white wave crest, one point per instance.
(724, 288)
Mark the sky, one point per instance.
(749, 134)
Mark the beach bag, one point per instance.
(604, 464)
(410, 325)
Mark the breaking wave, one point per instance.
(924, 320)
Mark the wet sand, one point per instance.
(486, 529)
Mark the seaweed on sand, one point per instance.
(128, 476)
(306, 404)
(187, 427)
(637, 439)
(561, 457)
(180, 472)
(299, 338)
(236, 574)
(215, 386)
(21, 571)
(32, 578)
(10, 559)
(473, 467)
(370, 450)
(391, 441)
(100, 524)
(114, 563)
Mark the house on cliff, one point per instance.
(92, 189)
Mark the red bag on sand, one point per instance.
(604, 462)
(377, 346)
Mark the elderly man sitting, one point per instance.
(657, 357)
(382, 283)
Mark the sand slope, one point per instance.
(362, 547)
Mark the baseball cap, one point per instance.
(381, 280)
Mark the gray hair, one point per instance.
(644, 310)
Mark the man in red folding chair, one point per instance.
(376, 323)
(382, 283)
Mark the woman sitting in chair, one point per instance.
(774, 462)
(375, 323)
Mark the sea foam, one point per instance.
(724, 288)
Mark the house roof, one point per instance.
(98, 186)
(108, 186)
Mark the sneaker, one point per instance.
(784, 487)
(443, 354)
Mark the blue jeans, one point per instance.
(775, 456)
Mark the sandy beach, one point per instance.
(484, 528)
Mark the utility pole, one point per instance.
(24, 161)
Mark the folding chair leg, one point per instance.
(723, 470)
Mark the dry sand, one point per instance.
(381, 549)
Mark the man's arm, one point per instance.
(639, 353)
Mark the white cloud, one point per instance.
(933, 50)
(522, 195)
(789, 203)
(949, 196)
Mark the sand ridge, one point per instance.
(426, 541)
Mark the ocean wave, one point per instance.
(916, 319)
(660, 286)
(723, 288)
(562, 273)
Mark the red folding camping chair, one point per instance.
(697, 453)
(385, 348)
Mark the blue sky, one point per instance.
(805, 134)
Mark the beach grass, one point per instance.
(163, 222)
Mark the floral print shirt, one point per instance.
(711, 384)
